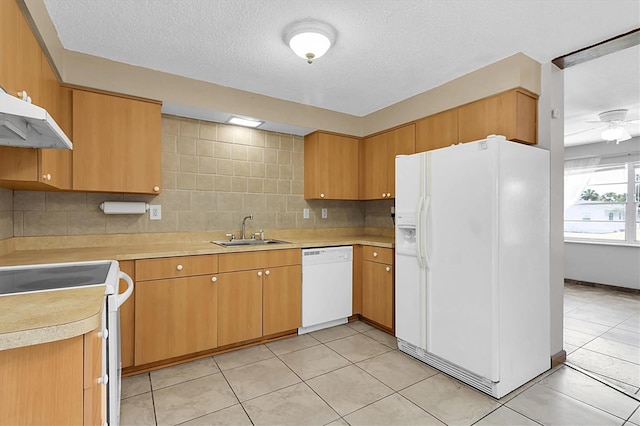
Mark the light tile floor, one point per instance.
(602, 333)
(354, 375)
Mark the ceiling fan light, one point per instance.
(616, 133)
(310, 39)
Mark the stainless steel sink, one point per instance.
(248, 242)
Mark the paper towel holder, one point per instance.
(124, 207)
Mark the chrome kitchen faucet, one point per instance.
(250, 217)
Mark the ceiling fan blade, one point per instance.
(583, 131)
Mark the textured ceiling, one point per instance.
(385, 51)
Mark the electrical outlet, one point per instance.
(324, 213)
(305, 213)
(155, 212)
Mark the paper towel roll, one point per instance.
(124, 207)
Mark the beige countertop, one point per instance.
(32, 318)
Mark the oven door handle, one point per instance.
(122, 297)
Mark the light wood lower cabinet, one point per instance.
(260, 294)
(188, 304)
(239, 306)
(281, 299)
(378, 285)
(53, 383)
(95, 393)
(175, 317)
(127, 318)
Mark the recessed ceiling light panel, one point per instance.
(246, 122)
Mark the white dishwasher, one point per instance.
(326, 287)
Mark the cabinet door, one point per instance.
(512, 114)
(401, 141)
(377, 293)
(10, 22)
(175, 317)
(127, 317)
(95, 395)
(330, 167)
(282, 299)
(42, 384)
(374, 164)
(116, 144)
(55, 164)
(437, 131)
(239, 306)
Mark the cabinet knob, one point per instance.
(375, 254)
(259, 273)
(104, 379)
(267, 272)
(214, 279)
(179, 267)
(46, 176)
(388, 195)
(156, 189)
(388, 269)
(384, 195)
(322, 195)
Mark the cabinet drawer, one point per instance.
(172, 267)
(259, 259)
(377, 254)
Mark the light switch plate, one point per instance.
(155, 212)
(305, 213)
(324, 213)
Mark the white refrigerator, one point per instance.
(472, 261)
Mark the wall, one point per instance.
(604, 263)
(551, 137)
(213, 175)
(6, 213)
(80, 69)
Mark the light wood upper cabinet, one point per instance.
(116, 143)
(512, 114)
(23, 66)
(437, 131)
(377, 161)
(330, 166)
(20, 55)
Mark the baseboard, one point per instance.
(558, 358)
(599, 285)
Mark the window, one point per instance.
(605, 204)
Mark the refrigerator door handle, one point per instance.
(424, 239)
(419, 233)
(122, 297)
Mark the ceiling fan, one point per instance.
(614, 125)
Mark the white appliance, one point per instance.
(61, 276)
(326, 287)
(472, 261)
(25, 125)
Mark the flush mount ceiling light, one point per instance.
(310, 39)
(247, 122)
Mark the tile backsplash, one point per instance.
(6, 213)
(213, 175)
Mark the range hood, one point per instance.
(25, 125)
